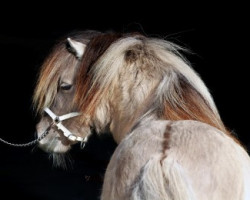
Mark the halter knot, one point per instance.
(57, 120)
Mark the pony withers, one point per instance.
(172, 142)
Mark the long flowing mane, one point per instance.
(172, 89)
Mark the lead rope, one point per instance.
(56, 121)
(46, 132)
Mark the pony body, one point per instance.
(172, 142)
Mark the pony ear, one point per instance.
(76, 47)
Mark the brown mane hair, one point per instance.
(191, 106)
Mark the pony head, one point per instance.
(54, 94)
(133, 77)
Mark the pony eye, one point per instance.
(65, 86)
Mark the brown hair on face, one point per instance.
(55, 63)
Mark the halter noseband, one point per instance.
(57, 121)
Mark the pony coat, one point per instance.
(172, 142)
(177, 160)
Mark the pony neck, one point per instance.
(123, 127)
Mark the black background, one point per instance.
(217, 35)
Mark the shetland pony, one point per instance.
(172, 141)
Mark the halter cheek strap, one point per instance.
(58, 122)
